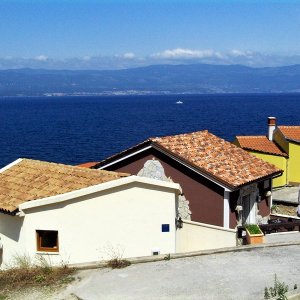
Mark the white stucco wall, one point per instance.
(194, 236)
(91, 228)
(12, 238)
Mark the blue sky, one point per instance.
(119, 34)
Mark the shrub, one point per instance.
(115, 253)
(279, 290)
(167, 257)
(118, 263)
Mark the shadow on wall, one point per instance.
(10, 226)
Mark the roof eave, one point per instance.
(270, 176)
(8, 212)
(291, 140)
(96, 189)
(115, 157)
(264, 152)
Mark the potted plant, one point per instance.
(253, 234)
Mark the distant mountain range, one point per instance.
(156, 79)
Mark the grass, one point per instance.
(23, 274)
(253, 229)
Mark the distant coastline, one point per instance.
(148, 93)
(152, 80)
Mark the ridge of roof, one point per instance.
(251, 136)
(291, 133)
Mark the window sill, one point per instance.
(47, 252)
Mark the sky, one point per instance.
(115, 34)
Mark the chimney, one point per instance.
(272, 127)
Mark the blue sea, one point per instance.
(73, 130)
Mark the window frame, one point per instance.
(39, 242)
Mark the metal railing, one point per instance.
(275, 225)
(279, 225)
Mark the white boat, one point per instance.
(179, 102)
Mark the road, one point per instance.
(233, 275)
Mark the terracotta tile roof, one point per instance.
(260, 144)
(291, 132)
(222, 160)
(33, 179)
(88, 164)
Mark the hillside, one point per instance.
(196, 78)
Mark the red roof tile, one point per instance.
(220, 159)
(88, 164)
(260, 144)
(33, 179)
(291, 132)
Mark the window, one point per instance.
(47, 240)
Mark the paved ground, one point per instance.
(282, 237)
(286, 194)
(234, 275)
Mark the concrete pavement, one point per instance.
(286, 194)
(232, 275)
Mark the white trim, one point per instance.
(226, 210)
(208, 226)
(253, 211)
(11, 165)
(127, 156)
(168, 154)
(97, 188)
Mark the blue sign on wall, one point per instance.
(165, 227)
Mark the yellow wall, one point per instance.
(279, 161)
(281, 141)
(294, 163)
(293, 150)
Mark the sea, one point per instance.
(73, 130)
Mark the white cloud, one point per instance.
(129, 55)
(170, 56)
(237, 53)
(86, 58)
(41, 58)
(187, 54)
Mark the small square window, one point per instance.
(47, 240)
(165, 227)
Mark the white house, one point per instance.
(78, 215)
